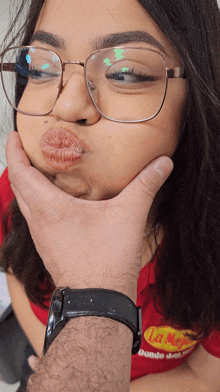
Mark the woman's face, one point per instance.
(113, 153)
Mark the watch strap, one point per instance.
(68, 303)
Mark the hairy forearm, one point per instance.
(180, 379)
(90, 354)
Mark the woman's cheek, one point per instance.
(30, 130)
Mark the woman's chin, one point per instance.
(77, 186)
(73, 185)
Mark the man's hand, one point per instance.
(34, 362)
(95, 243)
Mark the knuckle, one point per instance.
(149, 187)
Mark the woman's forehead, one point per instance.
(80, 22)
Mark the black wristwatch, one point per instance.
(67, 303)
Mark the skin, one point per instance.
(117, 151)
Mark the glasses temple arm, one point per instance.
(8, 67)
(175, 73)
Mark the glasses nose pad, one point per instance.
(92, 77)
(93, 93)
(91, 85)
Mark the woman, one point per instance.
(107, 134)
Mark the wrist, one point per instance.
(93, 352)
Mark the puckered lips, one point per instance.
(61, 148)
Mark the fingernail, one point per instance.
(163, 170)
(31, 360)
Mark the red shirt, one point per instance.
(163, 348)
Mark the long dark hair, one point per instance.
(187, 287)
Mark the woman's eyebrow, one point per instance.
(126, 37)
(103, 41)
(48, 38)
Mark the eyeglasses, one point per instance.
(125, 84)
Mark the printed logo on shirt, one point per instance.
(168, 339)
(158, 355)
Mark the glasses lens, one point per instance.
(37, 75)
(127, 84)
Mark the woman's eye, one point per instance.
(42, 75)
(130, 76)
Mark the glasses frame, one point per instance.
(171, 73)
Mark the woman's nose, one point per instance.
(74, 103)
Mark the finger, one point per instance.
(140, 192)
(32, 186)
(33, 362)
(22, 205)
(14, 146)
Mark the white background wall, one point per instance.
(5, 126)
(6, 7)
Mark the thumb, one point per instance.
(143, 188)
(152, 177)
